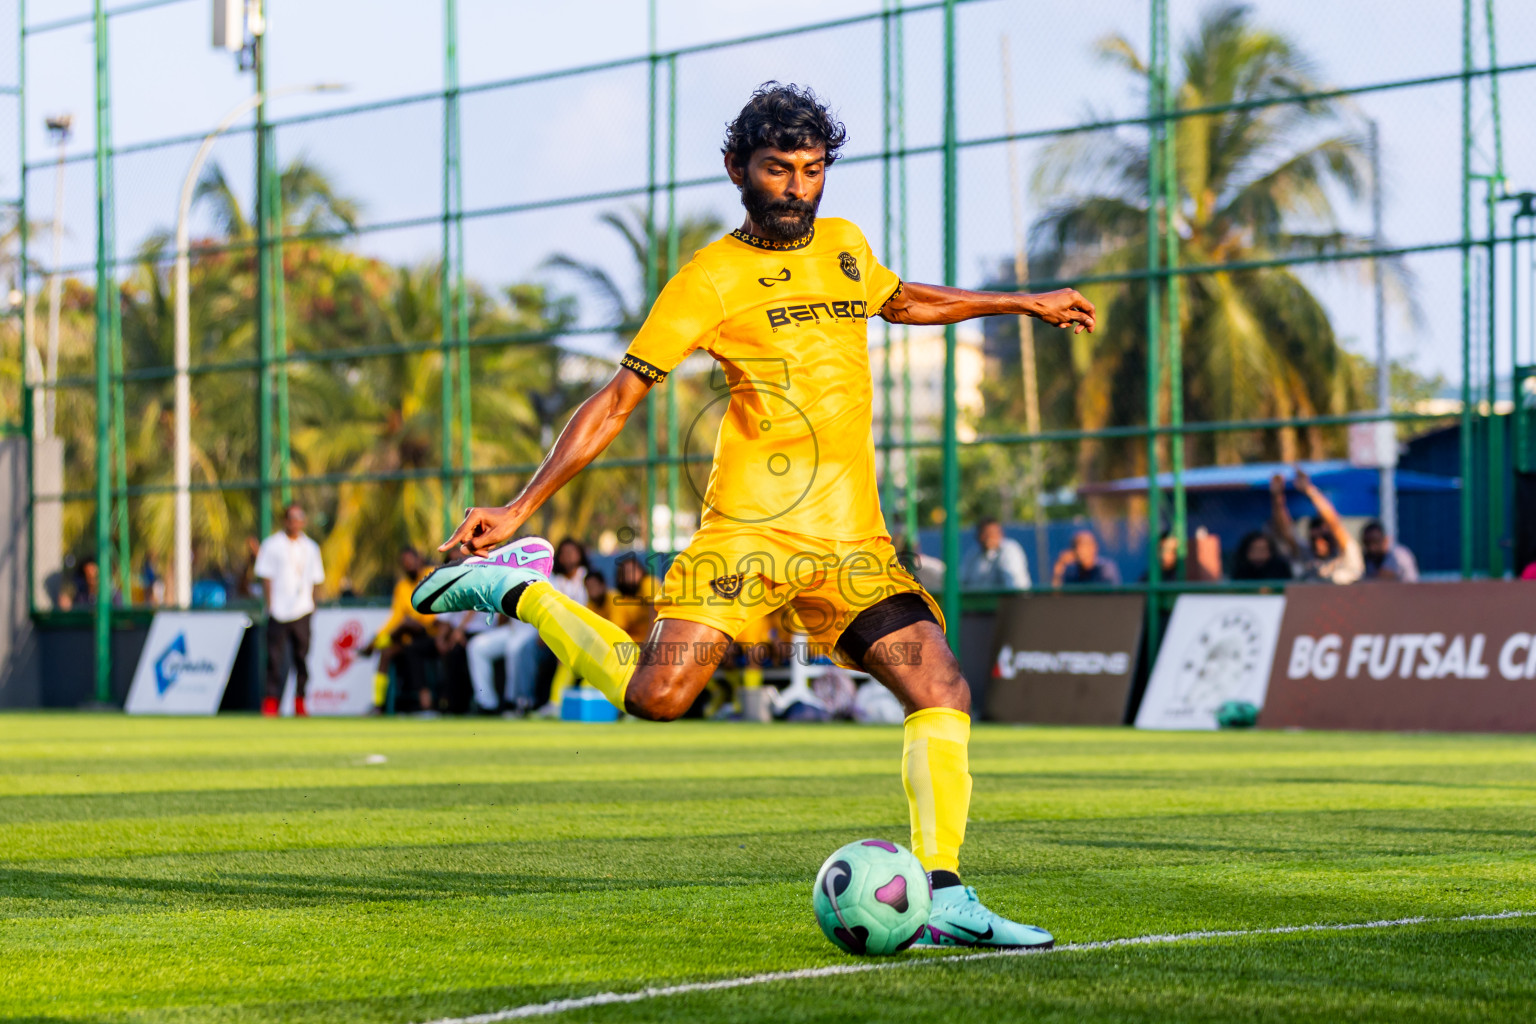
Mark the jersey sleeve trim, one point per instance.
(651, 373)
(887, 300)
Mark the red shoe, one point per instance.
(269, 707)
(299, 710)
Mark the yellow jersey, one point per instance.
(402, 611)
(786, 324)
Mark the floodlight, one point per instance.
(59, 126)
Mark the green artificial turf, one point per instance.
(240, 869)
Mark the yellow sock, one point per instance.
(564, 677)
(595, 649)
(935, 769)
(752, 677)
(380, 688)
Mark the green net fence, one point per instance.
(398, 294)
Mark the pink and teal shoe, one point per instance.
(958, 918)
(480, 583)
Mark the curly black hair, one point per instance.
(786, 117)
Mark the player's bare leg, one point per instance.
(676, 662)
(915, 663)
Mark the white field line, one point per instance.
(610, 998)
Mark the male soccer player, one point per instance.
(792, 512)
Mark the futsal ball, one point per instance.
(872, 898)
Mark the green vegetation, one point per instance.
(236, 869)
(1254, 184)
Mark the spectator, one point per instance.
(405, 641)
(928, 569)
(1530, 572)
(570, 578)
(151, 583)
(515, 643)
(87, 584)
(1332, 555)
(997, 563)
(288, 563)
(1167, 558)
(453, 634)
(248, 585)
(1385, 560)
(631, 605)
(1081, 563)
(1257, 559)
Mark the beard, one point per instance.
(780, 220)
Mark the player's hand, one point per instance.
(1277, 485)
(1065, 308)
(1303, 482)
(482, 530)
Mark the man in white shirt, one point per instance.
(997, 563)
(288, 563)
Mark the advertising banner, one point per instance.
(185, 664)
(1064, 658)
(1218, 647)
(1443, 656)
(340, 678)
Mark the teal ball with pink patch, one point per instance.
(872, 898)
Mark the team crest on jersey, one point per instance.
(850, 265)
(728, 586)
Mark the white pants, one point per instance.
(510, 642)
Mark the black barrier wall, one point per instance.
(1066, 659)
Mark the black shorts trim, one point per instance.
(880, 620)
(651, 373)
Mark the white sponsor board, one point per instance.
(1218, 648)
(340, 677)
(185, 664)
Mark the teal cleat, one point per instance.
(480, 583)
(958, 918)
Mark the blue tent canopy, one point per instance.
(1335, 478)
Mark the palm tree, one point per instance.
(626, 308)
(1254, 184)
(379, 415)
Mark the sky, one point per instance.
(585, 135)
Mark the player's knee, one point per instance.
(957, 693)
(657, 700)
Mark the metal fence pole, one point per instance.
(121, 523)
(673, 442)
(951, 277)
(651, 287)
(1493, 455)
(909, 461)
(103, 622)
(1175, 328)
(27, 412)
(886, 128)
(279, 290)
(1154, 315)
(445, 273)
(455, 174)
(263, 302)
(1467, 476)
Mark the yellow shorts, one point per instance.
(732, 575)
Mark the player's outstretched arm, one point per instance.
(591, 429)
(919, 303)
